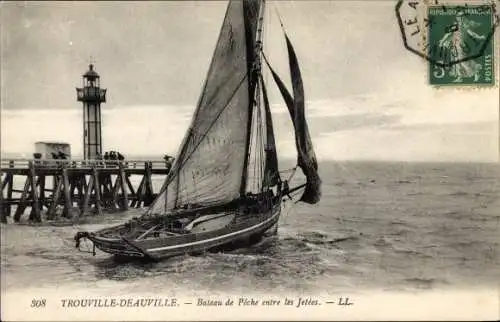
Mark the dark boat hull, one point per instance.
(241, 233)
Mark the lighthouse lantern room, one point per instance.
(91, 95)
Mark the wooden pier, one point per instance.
(70, 188)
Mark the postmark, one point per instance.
(456, 38)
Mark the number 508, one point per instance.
(38, 303)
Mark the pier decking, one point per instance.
(79, 187)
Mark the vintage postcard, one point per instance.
(250, 160)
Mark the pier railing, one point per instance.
(81, 164)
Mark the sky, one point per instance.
(367, 96)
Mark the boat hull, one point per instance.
(246, 232)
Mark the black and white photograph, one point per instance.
(249, 160)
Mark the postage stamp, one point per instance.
(456, 38)
(457, 32)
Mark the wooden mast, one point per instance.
(254, 70)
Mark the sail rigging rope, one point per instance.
(279, 18)
(290, 208)
(294, 170)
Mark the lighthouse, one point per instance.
(91, 95)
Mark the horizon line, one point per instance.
(159, 157)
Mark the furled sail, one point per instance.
(212, 158)
(306, 158)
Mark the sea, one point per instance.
(389, 226)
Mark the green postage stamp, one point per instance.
(462, 50)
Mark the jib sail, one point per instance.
(306, 157)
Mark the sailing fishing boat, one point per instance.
(224, 187)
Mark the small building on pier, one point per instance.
(46, 150)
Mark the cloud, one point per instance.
(417, 123)
(440, 125)
(446, 125)
(429, 144)
(149, 130)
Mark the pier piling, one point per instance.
(79, 187)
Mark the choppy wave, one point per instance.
(395, 232)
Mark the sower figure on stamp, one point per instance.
(458, 42)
